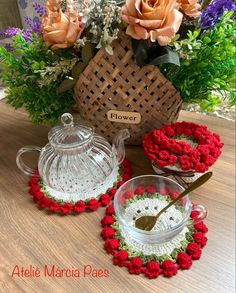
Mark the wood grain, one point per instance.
(29, 236)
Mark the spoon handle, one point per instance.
(201, 180)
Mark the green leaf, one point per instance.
(153, 53)
(206, 40)
(140, 49)
(169, 57)
(87, 52)
(77, 69)
(87, 55)
(66, 85)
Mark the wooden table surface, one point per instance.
(28, 236)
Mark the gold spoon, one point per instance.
(148, 222)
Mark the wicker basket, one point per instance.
(117, 83)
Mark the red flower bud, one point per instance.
(120, 258)
(111, 245)
(164, 155)
(151, 189)
(120, 183)
(105, 199)
(107, 232)
(139, 190)
(93, 204)
(34, 181)
(169, 268)
(112, 192)
(184, 260)
(38, 196)
(201, 227)
(128, 170)
(135, 266)
(54, 207)
(200, 238)
(194, 214)
(34, 189)
(126, 177)
(169, 131)
(79, 207)
(107, 221)
(129, 194)
(44, 202)
(153, 269)
(173, 195)
(164, 191)
(194, 250)
(110, 210)
(66, 208)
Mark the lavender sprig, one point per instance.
(34, 25)
(10, 32)
(41, 10)
(212, 14)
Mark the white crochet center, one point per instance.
(86, 188)
(150, 207)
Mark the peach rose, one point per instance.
(60, 30)
(157, 20)
(190, 7)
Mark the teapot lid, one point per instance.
(70, 134)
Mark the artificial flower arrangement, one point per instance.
(192, 43)
(182, 149)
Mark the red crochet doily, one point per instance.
(46, 202)
(152, 269)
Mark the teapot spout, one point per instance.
(118, 144)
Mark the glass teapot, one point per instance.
(76, 163)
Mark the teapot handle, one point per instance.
(20, 163)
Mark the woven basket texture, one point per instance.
(116, 82)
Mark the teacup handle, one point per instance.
(202, 215)
(20, 163)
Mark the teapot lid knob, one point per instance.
(67, 120)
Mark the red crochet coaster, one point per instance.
(45, 201)
(152, 266)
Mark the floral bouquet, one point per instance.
(183, 150)
(192, 43)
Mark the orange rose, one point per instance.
(157, 20)
(60, 30)
(190, 7)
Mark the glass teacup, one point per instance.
(147, 195)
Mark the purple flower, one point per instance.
(8, 47)
(34, 26)
(27, 35)
(41, 10)
(212, 14)
(10, 32)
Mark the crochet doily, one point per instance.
(152, 260)
(84, 189)
(150, 207)
(47, 198)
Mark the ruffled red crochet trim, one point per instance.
(153, 268)
(164, 149)
(46, 202)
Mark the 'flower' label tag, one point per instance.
(124, 117)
